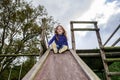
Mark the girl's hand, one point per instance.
(48, 46)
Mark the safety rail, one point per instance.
(112, 36)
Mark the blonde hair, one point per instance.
(64, 31)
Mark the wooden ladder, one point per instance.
(102, 52)
(105, 60)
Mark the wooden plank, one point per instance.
(113, 73)
(112, 59)
(106, 49)
(108, 54)
(88, 54)
(84, 22)
(72, 37)
(17, 55)
(84, 66)
(31, 74)
(87, 51)
(84, 29)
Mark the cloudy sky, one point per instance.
(106, 12)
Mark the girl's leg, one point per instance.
(54, 47)
(64, 48)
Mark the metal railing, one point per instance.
(116, 42)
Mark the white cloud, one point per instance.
(66, 10)
(100, 11)
(107, 16)
(106, 13)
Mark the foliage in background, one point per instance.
(15, 70)
(21, 25)
(115, 67)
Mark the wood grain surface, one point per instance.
(61, 67)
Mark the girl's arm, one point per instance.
(53, 38)
(66, 42)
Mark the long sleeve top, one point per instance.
(62, 40)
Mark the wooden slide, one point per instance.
(66, 66)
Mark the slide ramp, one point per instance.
(66, 66)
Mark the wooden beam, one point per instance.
(16, 55)
(73, 37)
(84, 22)
(112, 59)
(113, 54)
(97, 70)
(106, 49)
(84, 29)
(89, 54)
(113, 73)
(103, 57)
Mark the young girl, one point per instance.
(59, 40)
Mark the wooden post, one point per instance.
(43, 42)
(72, 37)
(102, 52)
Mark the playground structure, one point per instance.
(101, 46)
(74, 64)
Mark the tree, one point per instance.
(21, 26)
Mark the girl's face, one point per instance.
(59, 30)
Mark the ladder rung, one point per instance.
(88, 54)
(113, 73)
(112, 59)
(85, 29)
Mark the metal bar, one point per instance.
(84, 22)
(84, 29)
(16, 55)
(116, 42)
(112, 35)
(72, 37)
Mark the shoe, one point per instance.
(55, 50)
(63, 49)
